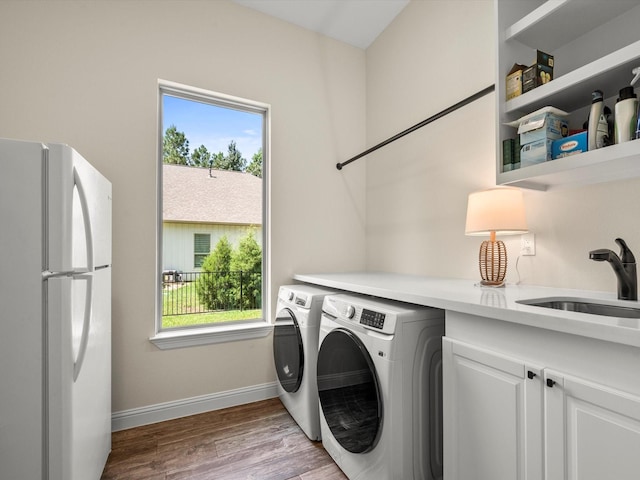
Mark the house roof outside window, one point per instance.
(200, 195)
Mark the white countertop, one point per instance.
(467, 296)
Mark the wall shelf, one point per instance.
(568, 92)
(616, 162)
(557, 22)
(593, 49)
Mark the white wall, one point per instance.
(433, 55)
(85, 73)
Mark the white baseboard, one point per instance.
(160, 412)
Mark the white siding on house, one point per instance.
(177, 241)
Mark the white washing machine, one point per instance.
(295, 352)
(380, 387)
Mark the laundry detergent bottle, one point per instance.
(626, 115)
(636, 73)
(597, 110)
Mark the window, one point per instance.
(201, 248)
(212, 246)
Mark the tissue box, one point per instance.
(570, 145)
(544, 126)
(535, 152)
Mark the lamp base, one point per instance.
(493, 262)
(488, 283)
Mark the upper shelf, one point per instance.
(573, 90)
(557, 22)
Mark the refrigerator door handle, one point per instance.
(46, 275)
(86, 217)
(86, 326)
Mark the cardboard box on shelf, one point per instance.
(510, 154)
(539, 73)
(535, 152)
(508, 147)
(570, 145)
(536, 133)
(514, 81)
(547, 125)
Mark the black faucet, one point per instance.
(624, 267)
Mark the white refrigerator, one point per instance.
(55, 314)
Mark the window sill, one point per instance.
(191, 337)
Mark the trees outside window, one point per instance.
(215, 284)
(232, 279)
(247, 263)
(255, 167)
(175, 147)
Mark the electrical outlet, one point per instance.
(528, 244)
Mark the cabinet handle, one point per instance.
(550, 383)
(530, 374)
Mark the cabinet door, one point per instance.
(492, 415)
(592, 431)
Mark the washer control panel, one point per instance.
(374, 314)
(372, 319)
(301, 300)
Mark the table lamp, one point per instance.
(495, 211)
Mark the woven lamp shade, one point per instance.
(496, 211)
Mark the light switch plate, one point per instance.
(528, 244)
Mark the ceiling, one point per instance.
(356, 22)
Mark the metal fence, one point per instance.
(186, 293)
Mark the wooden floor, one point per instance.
(256, 441)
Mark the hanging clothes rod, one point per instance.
(433, 118)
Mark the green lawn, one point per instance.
(182, 298)
(212, 317)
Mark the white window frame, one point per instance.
(223, 332)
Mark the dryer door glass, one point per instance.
(288, 351)
(349, 391)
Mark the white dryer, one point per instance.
(379, 381)
(295, 351)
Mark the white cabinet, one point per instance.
(506, 418)
(489, 430)
(595, 45)
(591, 431)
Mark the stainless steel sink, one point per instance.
(584, 306)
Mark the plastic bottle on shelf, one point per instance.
(603, 138)
(595, 117)
(610, 133)
(636, 73)
(626, 115)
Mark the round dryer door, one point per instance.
(288, 351)
(349, 391)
